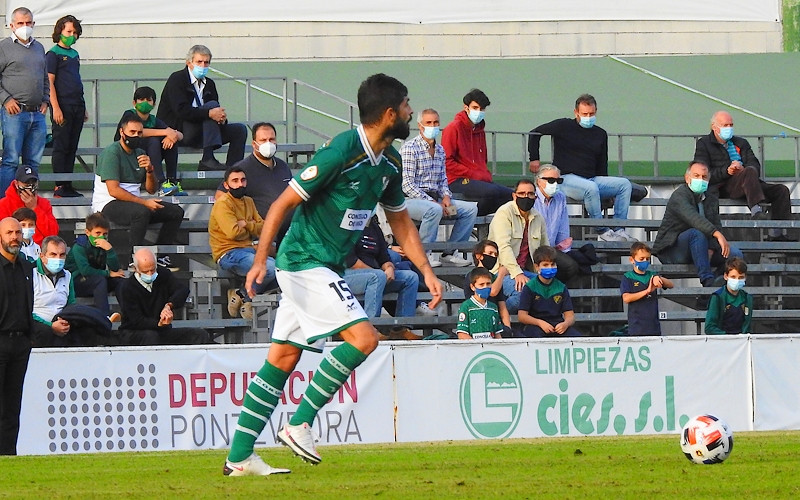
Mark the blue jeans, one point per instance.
(593, 190)
(512, 295)
(372, 283)
(692, 246)
(24, 134)
(240, 260)
(429, 213)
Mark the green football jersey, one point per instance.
(480, 321)
(340, 188)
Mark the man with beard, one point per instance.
(16, 322)
(335, 196)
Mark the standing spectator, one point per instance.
(580, 150)
(149, 298)
(25, 94)
(691, 230)
(518, 230)
(16, 323)
(27, 219)
(24, 192)
(94, 264)
(159, 142)
(466, 158)
(734, 172)
(552, 204)
(478, 317)
(190, 103)
(66, 99)
(428, 197)
(730, 310)
(639, 289)
(233, 226)
(121, 169)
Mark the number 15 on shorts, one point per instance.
(342, 290)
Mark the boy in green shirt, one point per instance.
(730, 309)
(478, 317)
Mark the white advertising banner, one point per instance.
(559, 387)
(183, 399)
(46, 12)
(776, 369)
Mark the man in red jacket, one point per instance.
(464, 142)
(23, 192)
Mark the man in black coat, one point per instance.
(190, 104)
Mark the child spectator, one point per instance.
(639, 290)
(27, 219)
(94, 265)
(730, 310)
(484, 255)
(66, 100)
(478, 317)
(545, 306)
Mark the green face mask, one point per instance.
(68, 40)
(92, 239)
(143, 107)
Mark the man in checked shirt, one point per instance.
(428, 198)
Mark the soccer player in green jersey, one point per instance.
(335, 196)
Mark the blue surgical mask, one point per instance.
(476, 115)
(148, 278)
(588, 121)
(483, 292)
(735, 284)
(199, 72)
(641, 265)
(54, 265)
(698, 186)
(430, 133)
(548, 272)
(27, 232)
(726, 133)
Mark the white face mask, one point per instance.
(27, 232)
(24, 33)
(430, 133)
(550, 189)
(476, 115)
(267, 149)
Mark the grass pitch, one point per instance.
(765, 465)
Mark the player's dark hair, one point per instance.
(586, 99)
(97, 219)
(24, 213)
(378, 93)
(232, 170)
(59, 27)
(737, 264)
(258, 126)
(144, 93)
(639, 246)
(480, 249)
(479, 272)
(478, 96)
(544, 254)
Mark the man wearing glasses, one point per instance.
(518, 230)
(551, 203)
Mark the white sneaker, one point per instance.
(251, 466)
(424, 310)
(623, 234)
(300, 439)
(433, 259)
(610, 235)
(456, 260)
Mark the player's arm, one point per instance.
(406, 234)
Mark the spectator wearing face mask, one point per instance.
(233, 229)
(552, 204)
(24, 192)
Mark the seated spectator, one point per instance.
(580, 150)
(27, 219)
(485, 256)
(691, 230)
(734, 172)
(371, 272)
(545, 307)
(233, 227)
(730, 310)
(478, 317)
(159, 142)
(121, 169)
(24, 192)
(552, 204)
(428, 198)
(639, 289)
(518, 230)
(94, 264)
(466, 157)
(190, 104)
(149, 298)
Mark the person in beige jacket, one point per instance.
(518, 230)
(233, 228)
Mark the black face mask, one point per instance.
(133, 142)
(525, 204)
(238, 192)
(489, 261)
